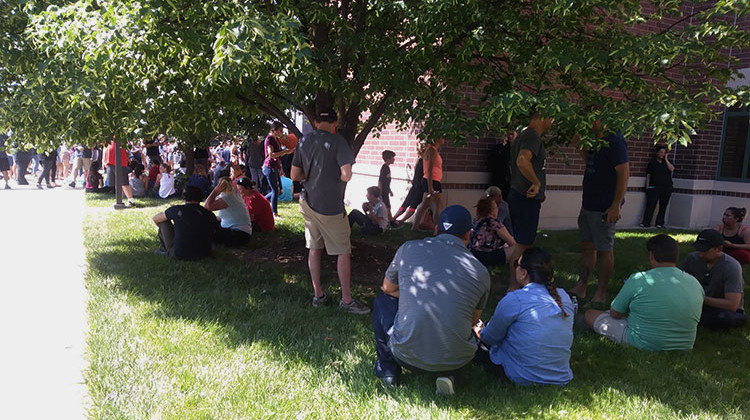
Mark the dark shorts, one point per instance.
(524, 213)
(4, 163)
(436, 186)
(413, 198)
(490, 258)
(593, 228)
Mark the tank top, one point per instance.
(235, 216)
(437, 166)
(736, 239)
(166, 185)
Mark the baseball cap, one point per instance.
(245, 182)
(708, 239)
(455, 220)
(327, 115)
(492, 192)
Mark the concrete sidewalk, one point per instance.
(42, 304)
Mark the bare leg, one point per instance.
(426, 202)
(437, 207)
(344, 270)
(606, 267)
(588, 261)
(591, 316)
(398, 213)
(313, 263)
(128, 192)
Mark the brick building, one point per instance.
(711, 174)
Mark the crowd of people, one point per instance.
(435, 325)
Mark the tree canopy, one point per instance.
(86, 70)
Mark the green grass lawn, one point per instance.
(233, 337)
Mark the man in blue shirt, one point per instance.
(427, 328)
(604, 185)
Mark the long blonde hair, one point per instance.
(226, 185)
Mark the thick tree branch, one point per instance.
(271, 109)
(375, 115)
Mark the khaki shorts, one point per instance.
(614, 329)
(331, 232)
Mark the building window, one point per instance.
(734, 159)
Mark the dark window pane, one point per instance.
(735, 142)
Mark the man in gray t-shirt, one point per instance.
(428, 327)
(721, 278)
(323, 163)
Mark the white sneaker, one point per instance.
(444, 386)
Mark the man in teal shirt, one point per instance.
(658, 309)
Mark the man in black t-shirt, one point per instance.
(186, 232)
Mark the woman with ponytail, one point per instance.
(531, 331)
(736, 235)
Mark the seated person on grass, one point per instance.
(531, 331)
(489, 236)
(721, 278)
(199, 179)
(259, 208)
(236, 226)
(658, 309)
(95, 180)
(374, 220)
(736, 235)
(427, 328)
(186, 231)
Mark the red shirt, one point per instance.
(260, 211)
(153, 172)
(109, 156)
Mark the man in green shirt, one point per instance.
(658, 309)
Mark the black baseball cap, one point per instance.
(707, 239)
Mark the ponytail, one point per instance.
(538, 263)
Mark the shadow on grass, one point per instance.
(269, 303)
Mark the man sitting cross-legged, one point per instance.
(721, 278)
(187, 231)
(427, 328)
(658, 309)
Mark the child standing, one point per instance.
(374, 220)
(384, 181)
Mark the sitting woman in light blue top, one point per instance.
(231, 209)
(530, 334)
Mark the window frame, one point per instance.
(745, 177)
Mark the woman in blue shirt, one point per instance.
(530, 334)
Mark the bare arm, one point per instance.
(505, 235)
(648, 180)
(346, 172)
(623, 173)
(477, 314)
(297, 174)
(389, 288)
(214, 202)
(523, 162)
(158, 180)
(730, 301)
(160, 218)
(670, 167)
(617, 315)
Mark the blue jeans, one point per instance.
(274, 182)
(384, 310)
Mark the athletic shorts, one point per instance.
(524, 214)
(436, 186)
(593, 228)
(331, 232)
(614, 329)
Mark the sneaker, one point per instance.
(389, 381)
(660, 227)
(444, 386)
(395, 224)
(39, 186)
(7, 187)
(320, 301)
(130, 204)
(72, 184)
(643, 225)
(354, 307)
(160, 252)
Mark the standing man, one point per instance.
(721, 278)
(428, 328)
(527, 184)
(323, 163)
(604, 184)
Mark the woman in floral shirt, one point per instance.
(490, 241)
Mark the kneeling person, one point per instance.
(658, 309)
(428, 328)
(187, 231)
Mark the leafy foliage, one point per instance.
(86, 70)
